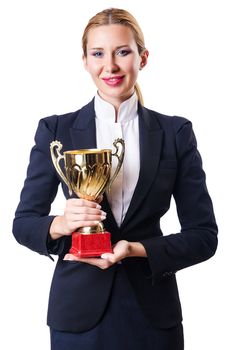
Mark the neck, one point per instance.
(116, 102)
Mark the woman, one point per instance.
(127, 299)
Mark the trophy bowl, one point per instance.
(88, 171)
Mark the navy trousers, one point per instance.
(123, 327)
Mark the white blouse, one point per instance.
(127, 128)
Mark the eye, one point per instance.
(123, 52)
(97, 54)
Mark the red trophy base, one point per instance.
(90, 245)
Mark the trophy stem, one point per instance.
(88, 230)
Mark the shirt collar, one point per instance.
(105, 111)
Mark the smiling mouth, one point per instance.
(113, 81)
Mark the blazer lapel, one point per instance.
(83, 132)
(151, 137)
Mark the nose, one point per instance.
(111, 65)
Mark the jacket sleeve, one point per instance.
(32, 221)
(197, 240)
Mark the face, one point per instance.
(113, 61)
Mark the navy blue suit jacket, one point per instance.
(170, 164)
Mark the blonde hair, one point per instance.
(116, 16)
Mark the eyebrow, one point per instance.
(118, 47)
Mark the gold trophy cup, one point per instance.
(88, 175)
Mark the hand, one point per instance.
(77, 213)
(121, 250)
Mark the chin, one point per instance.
(117, 93)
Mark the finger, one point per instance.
(80, 219)
(92, 261)
(83, 203)
(84, 223)
(71, 257)
(110, 257)
(98, 262)
(90, 216)
(86, 212)
(85, 217)
(99, 199)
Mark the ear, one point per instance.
(144, 59)
(84, 59)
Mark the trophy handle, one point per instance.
(56, 157)
(120, 157)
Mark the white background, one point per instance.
(188, 74)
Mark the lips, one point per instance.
(114, 81)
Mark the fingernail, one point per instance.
(103, 217)
(96, 222)
(98, 206)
